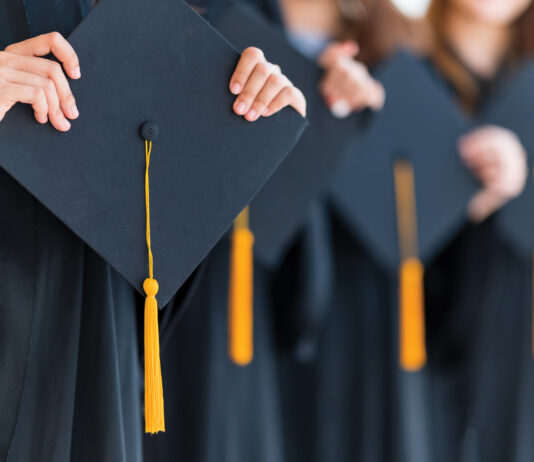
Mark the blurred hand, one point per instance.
(498, 160)
(25, 78)
(347, 85)
(262, 89)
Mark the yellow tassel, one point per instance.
(240, 298)
(154, 410)
(412, 316)
(412, 349)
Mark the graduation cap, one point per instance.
(280, 208)
(403, 189)
(158, 62)
(512, 107)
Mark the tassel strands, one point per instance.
(240, 293)
(411, 272)
(154, 409)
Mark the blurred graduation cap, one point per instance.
(159, 62)
(280, 208)
(512, 107)
(403, 189)
(421, 125)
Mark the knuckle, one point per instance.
(49, 85)
(263, 69)
(38, 93)
(261, 102)
(276, 80)
(55, 38)
(253, 52)
(240, 77)
(247, 96)
(55, 69)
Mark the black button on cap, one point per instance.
(150, 131)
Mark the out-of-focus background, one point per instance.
(413, 8)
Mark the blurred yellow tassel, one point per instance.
(412, 348)
(412, 316)
(154, 410)
(240, 297)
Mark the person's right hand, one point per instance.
(347, 85)
(26, 78)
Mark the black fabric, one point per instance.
(352, 402)
(218, 411)
(305, 174)
(92, 177)
(70, 373)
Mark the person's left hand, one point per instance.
(498, 160)
(261, 88)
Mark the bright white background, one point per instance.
(412, 7)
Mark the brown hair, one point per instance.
(465, 84)
(379, 28)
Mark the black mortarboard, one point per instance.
(512, 107)
(403, 189)
(148, 61)
(158, 62)
(281, 206)
(419, 123)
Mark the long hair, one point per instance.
(464, 83)
(379, 28)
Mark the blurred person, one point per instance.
(344, 396)
(352, 402)
(480, 289)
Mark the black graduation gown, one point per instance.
(351, 401)
(216, 410)
(70, 376)
(480, 350)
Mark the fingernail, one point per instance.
(235, 88)
(240, 108)
(77, 73)
(266, 113)
(251, 115)
(65, 124)
(74, 111)
(340, 109)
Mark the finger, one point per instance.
(52, 71)
(249, 58)
(341, 109)
(28, 95)
(486, 174)
(274, 84)
(55, 114)
(483, 204)
(289, 96)
(377, 96)
(54, 43)
(335, 51)
(258, 78)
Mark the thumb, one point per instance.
(337, 50)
